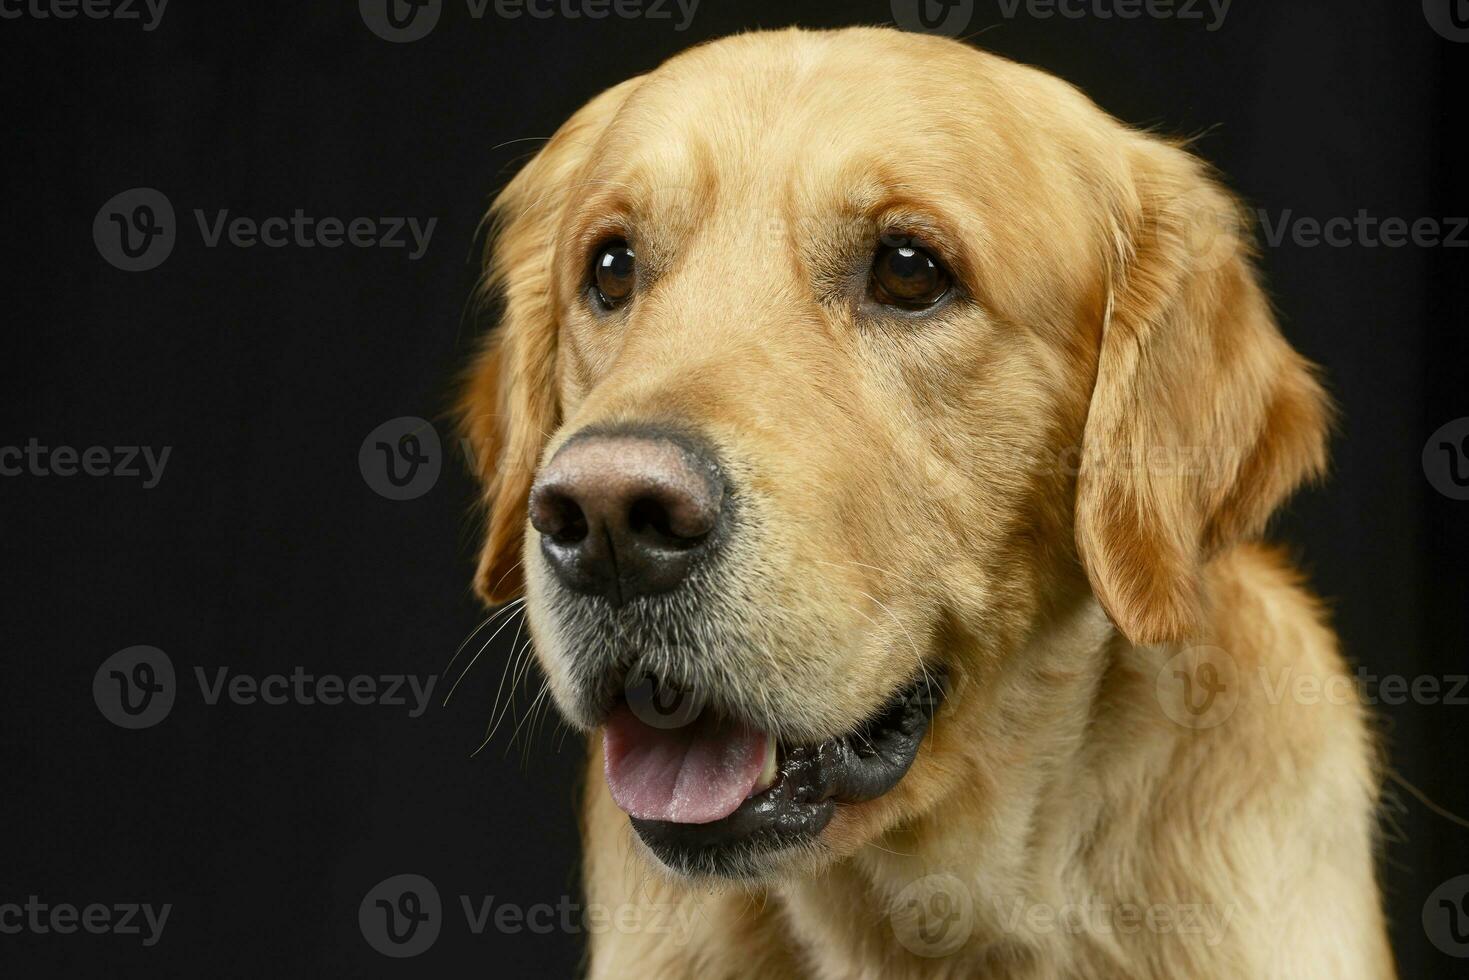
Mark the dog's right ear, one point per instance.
(508, 405)
(1191, 362)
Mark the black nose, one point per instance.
(624, 515)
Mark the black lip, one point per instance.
(852, 768)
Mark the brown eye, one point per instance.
(614, 274)
(907, 276)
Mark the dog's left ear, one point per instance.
(508, 405)
(1203, 419)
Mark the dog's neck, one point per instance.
(1047, 779)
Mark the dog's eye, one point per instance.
(907, 276)
(614, 274)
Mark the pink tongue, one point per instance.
(698, 773)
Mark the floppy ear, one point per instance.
(1203, 419)
(508, 406)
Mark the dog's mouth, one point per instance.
(709, 796)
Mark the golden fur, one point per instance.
(1051, 486)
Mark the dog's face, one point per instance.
(832, 367)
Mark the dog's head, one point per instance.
(832, 366)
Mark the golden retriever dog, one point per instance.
(878, 436)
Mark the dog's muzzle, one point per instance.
(637, 526)
(710, 796)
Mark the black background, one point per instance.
(264, 549)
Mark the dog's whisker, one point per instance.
(545, 713)
(859, 564)
(899, 623)
(505, 574)
(505, 415)
(524, 660)
(928, 693)
(921, 667)
(537, 723)
(886, 850)
(465, 642)
(475, 659)
(529, 713)
(563, 730)
(518, 652)
(496, 614)
(520, 139)
(497, 713)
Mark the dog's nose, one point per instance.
(624, 515)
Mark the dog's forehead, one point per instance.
(811, 111)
